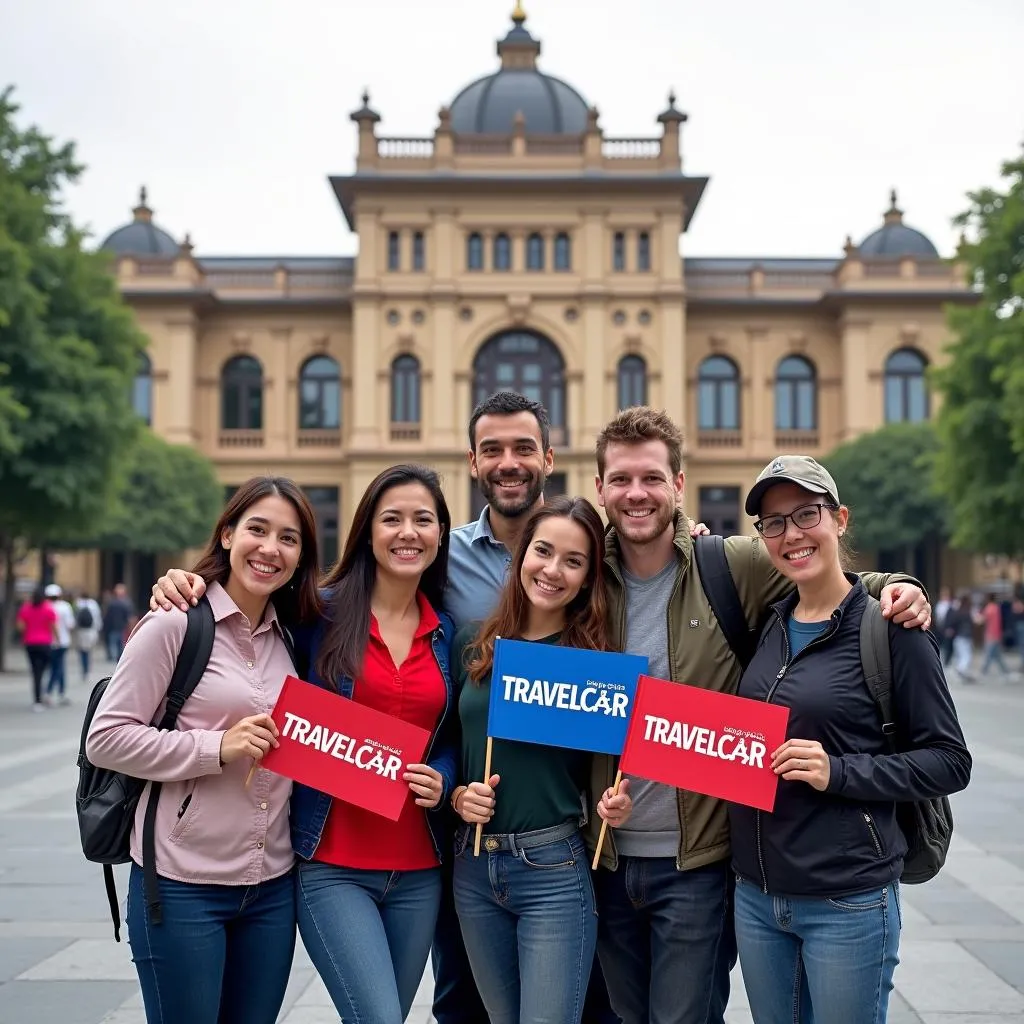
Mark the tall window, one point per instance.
(475, 252)
(906, 393)
(535, 252)
(619, 251)
(319, 394)
(563, 251)
(502, 252)
(643, 251)
(718, 396)
(241, 394)
(142, 390)
(528, 363)
(419, 254)
(325, 501)
(394, 250)
(632, 378)
(405, 390)
(796, 400)
(720, 509)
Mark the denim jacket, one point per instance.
(309, 807)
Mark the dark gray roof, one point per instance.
(242, 263)
(898, 240)
(140, 238)
(740, 264)
(489, 105)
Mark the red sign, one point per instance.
(705, 742)
(343, 748)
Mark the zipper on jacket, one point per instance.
(789, 659)
(448, 693)
(874, 833)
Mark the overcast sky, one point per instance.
(803, 112)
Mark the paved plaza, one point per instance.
(962, 951)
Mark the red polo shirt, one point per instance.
(414, 692)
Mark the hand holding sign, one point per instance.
(476, 805)
(803, 761)
(250, 737)
(616, 805)
(426, 784)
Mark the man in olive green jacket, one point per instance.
(666, 940)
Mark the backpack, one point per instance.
(106, 800)
(83, 617)
(927, 825)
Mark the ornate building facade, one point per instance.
(519, 246)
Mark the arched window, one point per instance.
(796, 395)
(632, 378)
(419, 254)
(643, 251)
(535, 252)
(405, 390)
(394, 250)
(718, 398)
(142, 390)
(502, 252)
(320, 394)
(528, 363)
(906, 393)
(619, 251)
(563, 251)
(475, 252)
(241, 394)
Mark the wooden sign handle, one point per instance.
(487, 775)
(604, 823)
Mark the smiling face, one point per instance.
(804, 552)
(639, 491)
(509, 462)
(405, 532)
(556, 564)
(264, 546)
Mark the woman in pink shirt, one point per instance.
(223, 950)
(37, 624)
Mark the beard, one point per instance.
(507, 505)
(641, 531)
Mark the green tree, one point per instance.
(980, 467)
(885, 477)
(168, 498)
(69, 349)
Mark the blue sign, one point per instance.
(562, 696)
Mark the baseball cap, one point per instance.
(52, 590)
(801, 470)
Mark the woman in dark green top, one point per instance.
(526, 904)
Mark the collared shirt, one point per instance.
(477, 567)
(209, 826)
(415, 692)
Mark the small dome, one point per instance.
(894, 238)
(141, 237)
(489, 105)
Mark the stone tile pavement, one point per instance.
(963, 942)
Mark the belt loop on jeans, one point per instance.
(513, 842)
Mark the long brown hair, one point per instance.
(299, 599)
(350, 582)
(586, 624)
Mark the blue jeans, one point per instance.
(818, 961)
(58, 656)
(666, 940)
(221, 955)
(355, 924)
(530, 923)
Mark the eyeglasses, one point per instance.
(806, 517)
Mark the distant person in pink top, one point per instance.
(992, 616)
(36, 623)
(223, 950)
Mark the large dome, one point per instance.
(489, 105)
(894, 238)
(141, 237)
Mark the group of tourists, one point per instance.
(525, 931)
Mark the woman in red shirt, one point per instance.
(37, 624)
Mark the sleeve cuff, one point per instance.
(835, 775)
(209, 752)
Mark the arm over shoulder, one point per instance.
(758, 582)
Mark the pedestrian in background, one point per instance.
(36, 624)
(992, 618)
(116, 618)
(87, 630)
(61, 645)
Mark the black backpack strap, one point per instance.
(188, 670)
(876, 660)
(720, 589)
(115, 911)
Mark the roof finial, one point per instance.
(142, 195)
(518, 14)
(894, 215)
(142, 211)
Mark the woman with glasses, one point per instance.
(817, 896)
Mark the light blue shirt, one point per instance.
(477, 567)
